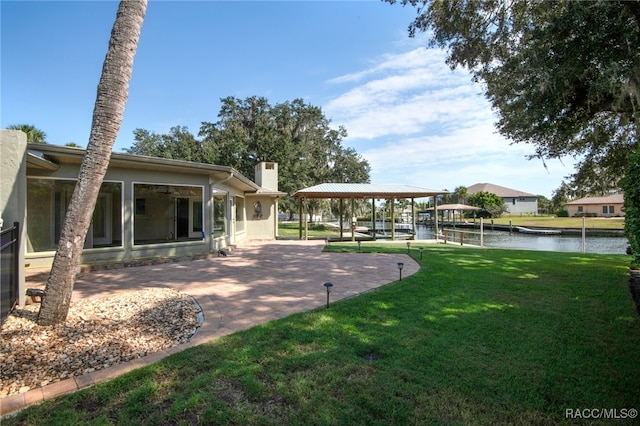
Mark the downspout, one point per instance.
(275, 217)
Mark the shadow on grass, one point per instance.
(475, 337)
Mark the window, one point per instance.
(47, 203)
(608, 210)
(167, 213)
(580, 209)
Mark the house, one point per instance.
(609, 206)
(147, 207)
(517, 203)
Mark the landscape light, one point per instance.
(328, 286)
(400, 266)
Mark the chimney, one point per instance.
(267, 175)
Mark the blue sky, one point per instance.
(406, 112)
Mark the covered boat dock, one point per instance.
(354, 191)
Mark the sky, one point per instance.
(406, 112)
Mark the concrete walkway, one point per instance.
(256, 283)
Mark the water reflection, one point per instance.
(593, 244)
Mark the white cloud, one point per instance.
(418, 122)
(403, 95)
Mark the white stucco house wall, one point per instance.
(517, 203)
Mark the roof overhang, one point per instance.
(37, 162)
(267, 192)
(56, 155)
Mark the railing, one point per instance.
(463, 236)
(9, 264)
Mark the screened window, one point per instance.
(167, 213)
(47, 203)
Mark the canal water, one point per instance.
(561, 242)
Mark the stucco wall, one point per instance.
(595, 210)
(521, 205)
(13, 192)
(260, 227)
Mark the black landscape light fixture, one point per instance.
(359, 246)
(421, 250)
(328, 286)
(400, 266)
(408, 246)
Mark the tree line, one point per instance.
(294, 134)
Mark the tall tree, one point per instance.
(146, 143)
(490, 204)
(460, 194)
(113, 90)
(294, 134)
(179, 144)
(559, 199)
(562, 75)
(632, 207)
(33, 133)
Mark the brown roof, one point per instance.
(500, 191)
(610, 199)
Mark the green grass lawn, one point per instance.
(560, 222)
(477, 336)
(291, 229)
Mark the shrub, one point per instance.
(631, 186)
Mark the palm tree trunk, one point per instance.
(113, 90)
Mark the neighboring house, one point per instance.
(147, 207)
(609, 206)
(516, 202)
